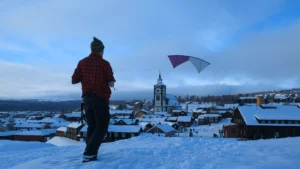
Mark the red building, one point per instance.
(34, 135)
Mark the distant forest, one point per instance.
(220, 100)
(35, 105)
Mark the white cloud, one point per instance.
(138, 36)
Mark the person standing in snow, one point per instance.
(96, 77)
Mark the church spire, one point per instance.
(159, 81)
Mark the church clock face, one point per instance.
(158, 90)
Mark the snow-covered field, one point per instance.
(147, 151)
(206, 130)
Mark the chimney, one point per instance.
(260, 100)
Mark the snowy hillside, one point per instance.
(156, 152)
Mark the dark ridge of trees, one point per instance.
(35, 105)
(224, 99)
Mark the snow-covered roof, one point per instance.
(212, 115)
(178, 111)
(63, 129)
(120, 112)
(172, 100)
(8, 133)
(197, 110)
(84, 128)
(33, 121)
(208, 116)
(184, 119)
(36, 132)
(248, 97)
(201, 117)
(280, 96)
(220, 111)
(70, 115)
(60, 124)
(124, 129)
(122, 117)
(144, 110)
(172, 118)
(29, 125)
(252, 114)
(164, 127)
(231, 105)
(143, 124)
(128, 121)
(74, 125)
(161, 113)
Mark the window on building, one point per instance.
(262, 121)
(157, 97)
(272, 121)
(123, 134)
(290, 121)
(276, 121)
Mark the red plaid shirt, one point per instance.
(94, 73)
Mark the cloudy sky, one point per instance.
(251, 45)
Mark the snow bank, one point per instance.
(62, 141)
(161, 152)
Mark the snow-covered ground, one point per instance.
(205, 130)
(147, 151)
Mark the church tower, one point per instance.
(159, 96)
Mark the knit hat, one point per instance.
(97, 45)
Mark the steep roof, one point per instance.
(252, 113)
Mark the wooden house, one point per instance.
(2, 128)
(185, 121)
(198, 112)
(164, 128)
(209, 118)
(248, 99)
(61, 131)
(297, 100)
(179, 113)
(127, 122)
(171, 119)
(30, 126)
(116, 132)
(122, 113)
(72, 117)
(7, 135)
(141, 113)
(162, 114)
(146, 126)
(267, 121)
(34, 135)
(230, 130)
(73, 130)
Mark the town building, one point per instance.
(164, 102)
(263, 121)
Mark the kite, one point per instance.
(199, 64)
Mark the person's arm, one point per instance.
(76, 78)
(110, 76)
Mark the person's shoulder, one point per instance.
(105, 62)
(83, 59)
